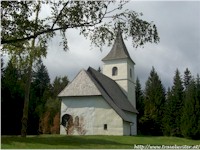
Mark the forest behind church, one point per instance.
(171, 112)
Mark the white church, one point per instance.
(104, 103)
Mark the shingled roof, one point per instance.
(119, 50)
(109, 90)
(109, 87)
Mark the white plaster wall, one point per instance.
(131, 93)
(120, 64)
(131, 83)
(126, 82)
(133, 117)
(95, 112)
(124, 86)
(126, 128)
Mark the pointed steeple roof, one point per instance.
(119, 50)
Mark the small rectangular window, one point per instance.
(105, 127)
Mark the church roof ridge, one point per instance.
(111, 91)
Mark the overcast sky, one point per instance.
(178, 26)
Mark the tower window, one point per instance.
(105, 127)
(114, 71)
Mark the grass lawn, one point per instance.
(87, 142)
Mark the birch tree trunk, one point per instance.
(28, 80)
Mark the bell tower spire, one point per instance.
(119, 66)
(119, 50)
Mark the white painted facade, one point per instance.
(82, 85)
(94, 112)
(125, 76)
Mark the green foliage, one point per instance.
(40, 92)
(2, 67)
(178, 115)
(174, 107)
(187, 78)
(11, 100)
(52, 107)
(25, 32)
(154, 100)
(189, 122)
(191, 111)
(96, 20)
(44, 106)
(139, 105)
(58, 85)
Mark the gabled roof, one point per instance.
(92, 82)
(109, 88)
(119, 50)
(82, 85)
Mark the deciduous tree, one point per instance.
(25, 32)
(95, 19)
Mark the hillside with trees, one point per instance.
(175, 112)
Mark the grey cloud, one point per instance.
(179, 29)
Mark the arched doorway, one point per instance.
(67, 122)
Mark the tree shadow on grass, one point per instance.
(66, 141)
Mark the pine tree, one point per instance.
(11, 101)
(50, 121)
(39, 93)
(167, 119)
(59, 84)
(190, 117)
(154, 100)
(140, 105)
(174, 107)
(198, 105)
(187, 78)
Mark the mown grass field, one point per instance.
(88, 142)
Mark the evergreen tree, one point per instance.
(39, 93)
(140, 105)
(11, 101)
(154, 100)
(19, 39)
(50, 121)
(174, 107)
(187, 78)
(166, 117)
(59, 84)
(198, 105)
(190, 117)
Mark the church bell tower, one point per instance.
(119, 66)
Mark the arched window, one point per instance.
(114, 71)
(66, 119)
